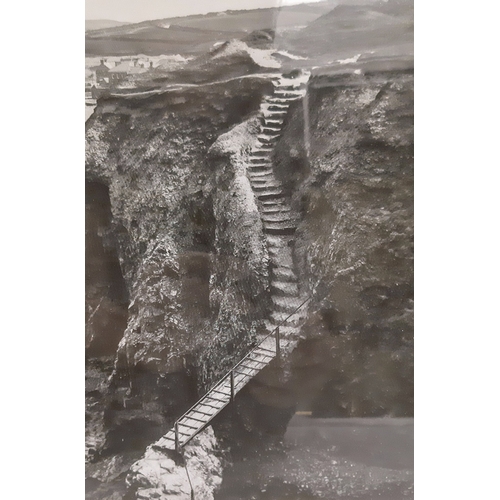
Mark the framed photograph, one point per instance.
(249, 231)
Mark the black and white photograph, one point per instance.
(249, 250)
(263, 265)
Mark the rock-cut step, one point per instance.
(274, 208)
(281, 216)
(278, 107)
(288, 85)
(259, 169)
(285, 289)
(261, 158)
(279, 100)
(267, 174)
(271, 121)
(286, 318)
(285, 223)
(280, 228)
(286, 305)
(275, 194)
(261, 151)
(284, 274)
(272, 128)
(261, 176)
(267, 139)
(279, 246)
(279, 249)
(279, 258)
(261, 180)
(263, 162)
(288, 95)
(275, 114)
(264, 192)
(255, 159)
(269, 206)
(286, 331)
(262, 184)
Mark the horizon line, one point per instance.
(281, 4)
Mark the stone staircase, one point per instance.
(278, 219)
(279, 223)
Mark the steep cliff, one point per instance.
(182, 234)
(173, 220)
(351, 176)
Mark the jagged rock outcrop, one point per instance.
(354, 244)
(192, 259)
(153, 156)
(158, 475)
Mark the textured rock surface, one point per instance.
(354, 245)
(157, 475)
(165, 194)
(185, 231)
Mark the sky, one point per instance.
(142, 10)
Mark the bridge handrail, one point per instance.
(228, 374)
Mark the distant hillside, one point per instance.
(336, 28)
(196, 34)
(152, 38)
(347, 30)
(99, 24)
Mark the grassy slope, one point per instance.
(195, 34)
(381, 27)
(99, 24)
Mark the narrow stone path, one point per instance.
(279, 220)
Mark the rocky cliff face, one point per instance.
(352, 180)
(182, 231)
(172, 219)
(157, 475)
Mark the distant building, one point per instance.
(119, 72)
(124, 69)
(137, 70)
(101, 73)
(90, 79)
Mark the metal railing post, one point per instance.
(278, 349)
(232, 384)
(177, 444)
